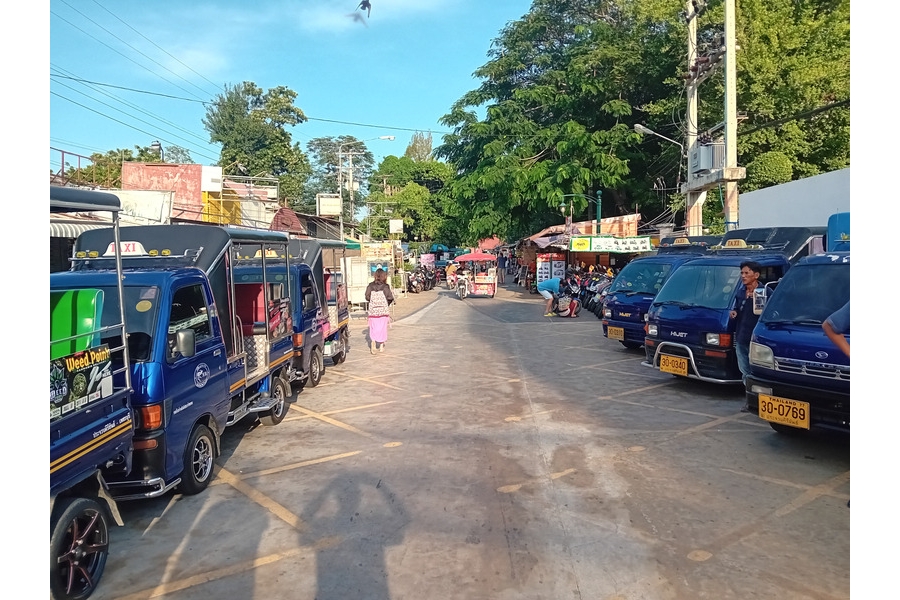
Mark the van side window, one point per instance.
(189, 310)
(308, 291)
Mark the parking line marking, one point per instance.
(608, 362)
(260, 498)
(800, 486)
(514, 419)
(305, 463)
(369, 380)
(515, 487)
(341, 410)
(329, 420)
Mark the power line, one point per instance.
(117, 120)
(128, 89)
(130, 46)
(117, 52)
(135, 107)
(157, 45)
(803, 115)
(125, 113)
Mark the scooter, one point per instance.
(451, 280)
(568, 305)
(462, 285)
(415, 284)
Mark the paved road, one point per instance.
(492, 453)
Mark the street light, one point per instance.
(389, 138)
(571, 210)
(644, 130)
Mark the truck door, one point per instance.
(312, 308)
(194, 385)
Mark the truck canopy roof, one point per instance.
(789, 241)
(66, 199)
(684, 243)
(204, 243)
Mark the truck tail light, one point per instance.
(151, 417)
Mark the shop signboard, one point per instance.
(596, 243)
(550, 265)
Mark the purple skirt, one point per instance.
(378, 328)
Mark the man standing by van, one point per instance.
(745, 319)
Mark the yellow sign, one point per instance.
(735, 243)
(581, 244)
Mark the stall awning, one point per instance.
(73, 230)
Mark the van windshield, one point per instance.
(809, 294)
(141, 306)
(710, 286)
(642, 277)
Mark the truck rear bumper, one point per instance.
(827, 408)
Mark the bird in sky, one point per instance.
(367, 6)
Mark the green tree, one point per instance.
(419, 148)
(326, 154)
(178, 155)
(252, 127)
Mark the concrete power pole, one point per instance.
(700, 69)
(731, 190)
(693, 198)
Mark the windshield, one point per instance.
(141, 306)
(712, 286)
(809, 293)
(642, 277)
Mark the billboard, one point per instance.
(328, 205)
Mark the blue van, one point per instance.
(798, 377)
(689, 329)
(634, 288)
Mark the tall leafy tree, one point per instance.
(420, 147)
(105, 169)
(252, 127)
(327, 156)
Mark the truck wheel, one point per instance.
(632, 345)
(198, 462)
(316, 367)
(342, 355)
(280, 390)
(79, 545)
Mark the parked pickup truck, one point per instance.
(319, 310)
(205, 349)
(91, 425)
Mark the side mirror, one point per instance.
(185, 343)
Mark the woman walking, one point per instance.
(378, 298)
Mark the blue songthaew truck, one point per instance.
(689, 330)
(634, 288)
(320, 311)
(799, 378)
(205, 349)
(91, 425)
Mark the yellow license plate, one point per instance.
(675, 365)
(615, 333)
(793, 413)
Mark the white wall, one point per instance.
(802, 203)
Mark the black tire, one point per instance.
(342, 356)
(632, 345)
(198, 461)
(79, 546)
(418, 288)
(316, 367)
(282, 391)
(787, 429)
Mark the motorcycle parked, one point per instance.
(430, 278)
(568, 303)
(415, 284)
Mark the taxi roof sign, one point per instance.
(127, 248)
(735, 243)
(682, 241)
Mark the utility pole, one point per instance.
(731, 190)
(699, 69)
(694, 199)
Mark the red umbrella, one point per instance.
(475, 257)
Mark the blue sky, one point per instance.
(397, 71)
